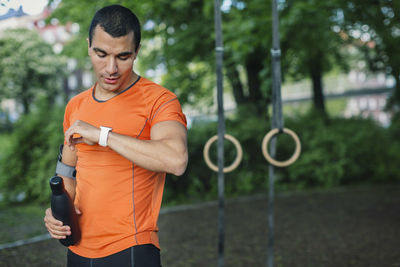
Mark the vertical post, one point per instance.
(271, 235)
(221, 129)
(277, 122)
(277, 119)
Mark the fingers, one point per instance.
(69, 138)
(81, 132)
(55, 227)
(73, 141)
(73, 135)
(78, 140)
(77, 210)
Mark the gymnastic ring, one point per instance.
(274, 162)
(234, 164)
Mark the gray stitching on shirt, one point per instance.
(151, 121)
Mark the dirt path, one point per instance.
(358, 227)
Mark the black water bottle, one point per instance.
(63, 209)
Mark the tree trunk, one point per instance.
(26, 104)
(396, 94)
(237, 87)
(253, 67)
(318, 95)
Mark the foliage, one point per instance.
(5, 122)
(340, 152)
(334, 153)
(179, 41)
(182, 46)
(4, 143)
(28, 68)
(31, 156)
(374, 27)
(313, 35)
(310, 46)
(393, 155)
(200, 183)
(308, 39)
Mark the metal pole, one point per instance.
(271, 236)
(221, 130)
(277, 122)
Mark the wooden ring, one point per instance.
(274, 162)
(235, 163)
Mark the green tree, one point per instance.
(248, 38)
(179, 38)
(310, 45)
(374, 27)
(29, 69)
(31, 155)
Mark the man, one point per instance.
(123, 135)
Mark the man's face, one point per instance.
(112, 60)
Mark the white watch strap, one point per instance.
(104, 135)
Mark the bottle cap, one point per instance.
(56, 185)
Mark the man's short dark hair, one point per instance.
(117, 21)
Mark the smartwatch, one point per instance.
(104, 135)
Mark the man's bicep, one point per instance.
(169, 130)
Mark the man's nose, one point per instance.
(112, 66)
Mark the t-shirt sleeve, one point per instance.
(167, 108)
(67, 113)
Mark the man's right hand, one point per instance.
(55, 227)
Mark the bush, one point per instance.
(335, 152)
(339, 152)
(32, 155)
(392, 168)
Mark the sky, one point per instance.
(31, 7)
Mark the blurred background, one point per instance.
(340, 89)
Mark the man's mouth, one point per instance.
(111, 80)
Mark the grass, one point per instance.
(339, 227)
(21, 221)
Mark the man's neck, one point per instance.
(104, 95)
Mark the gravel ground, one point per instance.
(344, 227)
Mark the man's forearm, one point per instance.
(154, 155)
(69, 185)
(167, 154)
(69, 158)
(166, 151)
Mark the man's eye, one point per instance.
(101, 55)
(123, 57)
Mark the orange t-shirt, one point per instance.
(119, 201)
